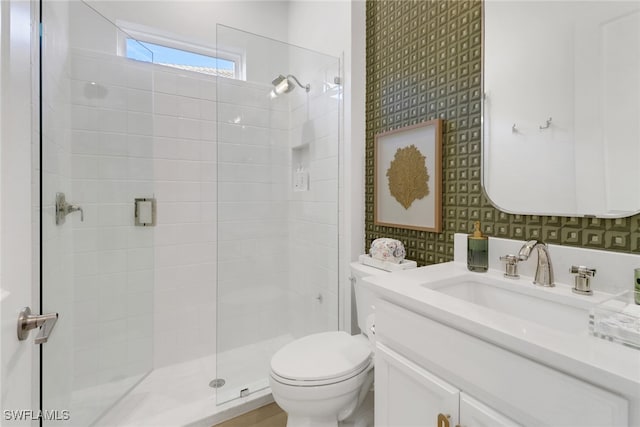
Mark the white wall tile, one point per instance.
(116, 97)
(114, 214)
(140, 146)
(189, 107)
(207, 88)
(189, 128)
(208, 131)
(113, 168)
(208, 110)
(140, 123)
(112, 144)
(165, 82)
(84, 142)
(188, 85)
(140, 77)
(139, 168)
(166, 126)
(165, 104)
(110, 120)
(140, 101)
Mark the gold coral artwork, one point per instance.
(408, 177)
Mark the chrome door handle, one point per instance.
(28, 321)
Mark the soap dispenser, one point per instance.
(477, 250)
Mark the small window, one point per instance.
(182, 59)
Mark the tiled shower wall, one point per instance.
(111, 136)
(252, 216)
(154, 288)
(143, 130)
(185, 180)
(313, 239)
(424, 61)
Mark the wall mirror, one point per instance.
(561, 111)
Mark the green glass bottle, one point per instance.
(477, 250)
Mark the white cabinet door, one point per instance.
(407, 395)
(476, 414)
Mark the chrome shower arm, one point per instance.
(295, 79)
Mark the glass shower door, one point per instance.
(97, 266)
(277, 224)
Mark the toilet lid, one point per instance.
(322, 356)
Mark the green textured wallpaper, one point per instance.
(424, 61)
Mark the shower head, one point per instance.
(284, 84)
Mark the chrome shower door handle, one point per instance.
(28, 321)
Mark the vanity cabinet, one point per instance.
(408, 395)
(425, 368)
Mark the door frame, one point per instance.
(19, 212)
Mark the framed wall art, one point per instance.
(408, 177)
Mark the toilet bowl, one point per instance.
(320, 380)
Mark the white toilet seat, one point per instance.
(315, 383)
(321, 359)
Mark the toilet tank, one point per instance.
(365, 297)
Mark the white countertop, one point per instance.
(607, 364)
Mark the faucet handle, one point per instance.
(511, 266)
(583, 274)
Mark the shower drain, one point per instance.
(217, 383)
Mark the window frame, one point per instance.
(149, 35)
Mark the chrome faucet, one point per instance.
(544, 270)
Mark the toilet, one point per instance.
(321, 380)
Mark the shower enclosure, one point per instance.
(97, 266)
(203, 233)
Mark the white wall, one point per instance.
(195, 22)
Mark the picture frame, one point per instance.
(408, 177)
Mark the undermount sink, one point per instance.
(555, 308)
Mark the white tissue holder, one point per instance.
(405, 264)
(617, 319)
